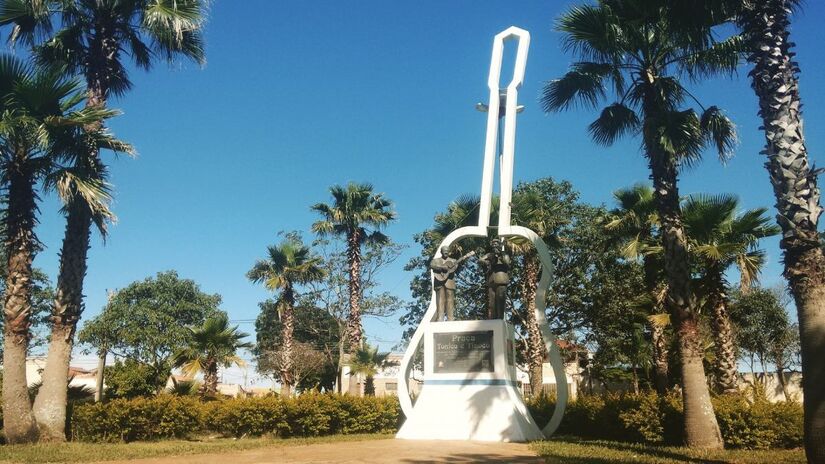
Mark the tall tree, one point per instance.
(40, 123)
(765, 332)
(354, 210)
(775, 80)
(149, 320)
(92, 39)
(315, 328)
(633, 49)
(765, 26)
(331, 294)
(635, 224)
(719, 238)
(541, 207)
(213, 345)
(287, 265)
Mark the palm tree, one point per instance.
(287, 265)
(367, 361)
(354, 208)
(634, 50)
(635, 224)
(40, 125)
(92, 41)
(215, 344)
(531, 210)
(775, 80)
(719, 238)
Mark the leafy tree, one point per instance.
(91, 40)
(764, 330)
(307, 365)
(367, 361)
(634, 50)
(213, 345)
(288, 265)
(40, 124)
(718, 237)
(150, 320)
(618, 325)
(545, 207)
(131, 379)
(314, 329)
(635, 224)
(584, 258)
(331, 294)
(354, 209)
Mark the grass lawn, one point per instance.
(86, 452)
(565, 450)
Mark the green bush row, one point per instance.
(649, 418)
(168, 416)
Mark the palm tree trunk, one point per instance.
(18, 422)
(660, 361)
(535, 343)
(775, 82)
(660, 346)
(701, 428)
(354, 328)
(210, 378)
(726, 365)
(51, 401)
(780, 377)
(286, 350)
(342, 338)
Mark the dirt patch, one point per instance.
(372, 451)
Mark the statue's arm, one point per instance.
(437, 267)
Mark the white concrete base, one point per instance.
(483, 405)
(469, 412)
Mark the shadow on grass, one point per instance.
(610, 452)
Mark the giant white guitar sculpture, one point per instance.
(487, 403)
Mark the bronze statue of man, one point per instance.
(444, 269)
(497, 262)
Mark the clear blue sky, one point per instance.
(297, 96)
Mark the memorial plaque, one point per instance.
(463, 352)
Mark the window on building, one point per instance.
(391, 386)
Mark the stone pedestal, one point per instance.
(469, 390)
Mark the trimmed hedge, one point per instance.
(165, 416)
(168, 416)
(649, 418)
(642, 418)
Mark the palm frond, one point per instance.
(614, 122)
(719, 130)
(575, 87)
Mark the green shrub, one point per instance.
(164, 416)
(649, 418)
(760, 425)
(245, 416)
(169, 416)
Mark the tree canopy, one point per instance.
(149, 320)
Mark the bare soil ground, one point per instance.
(372, 451)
